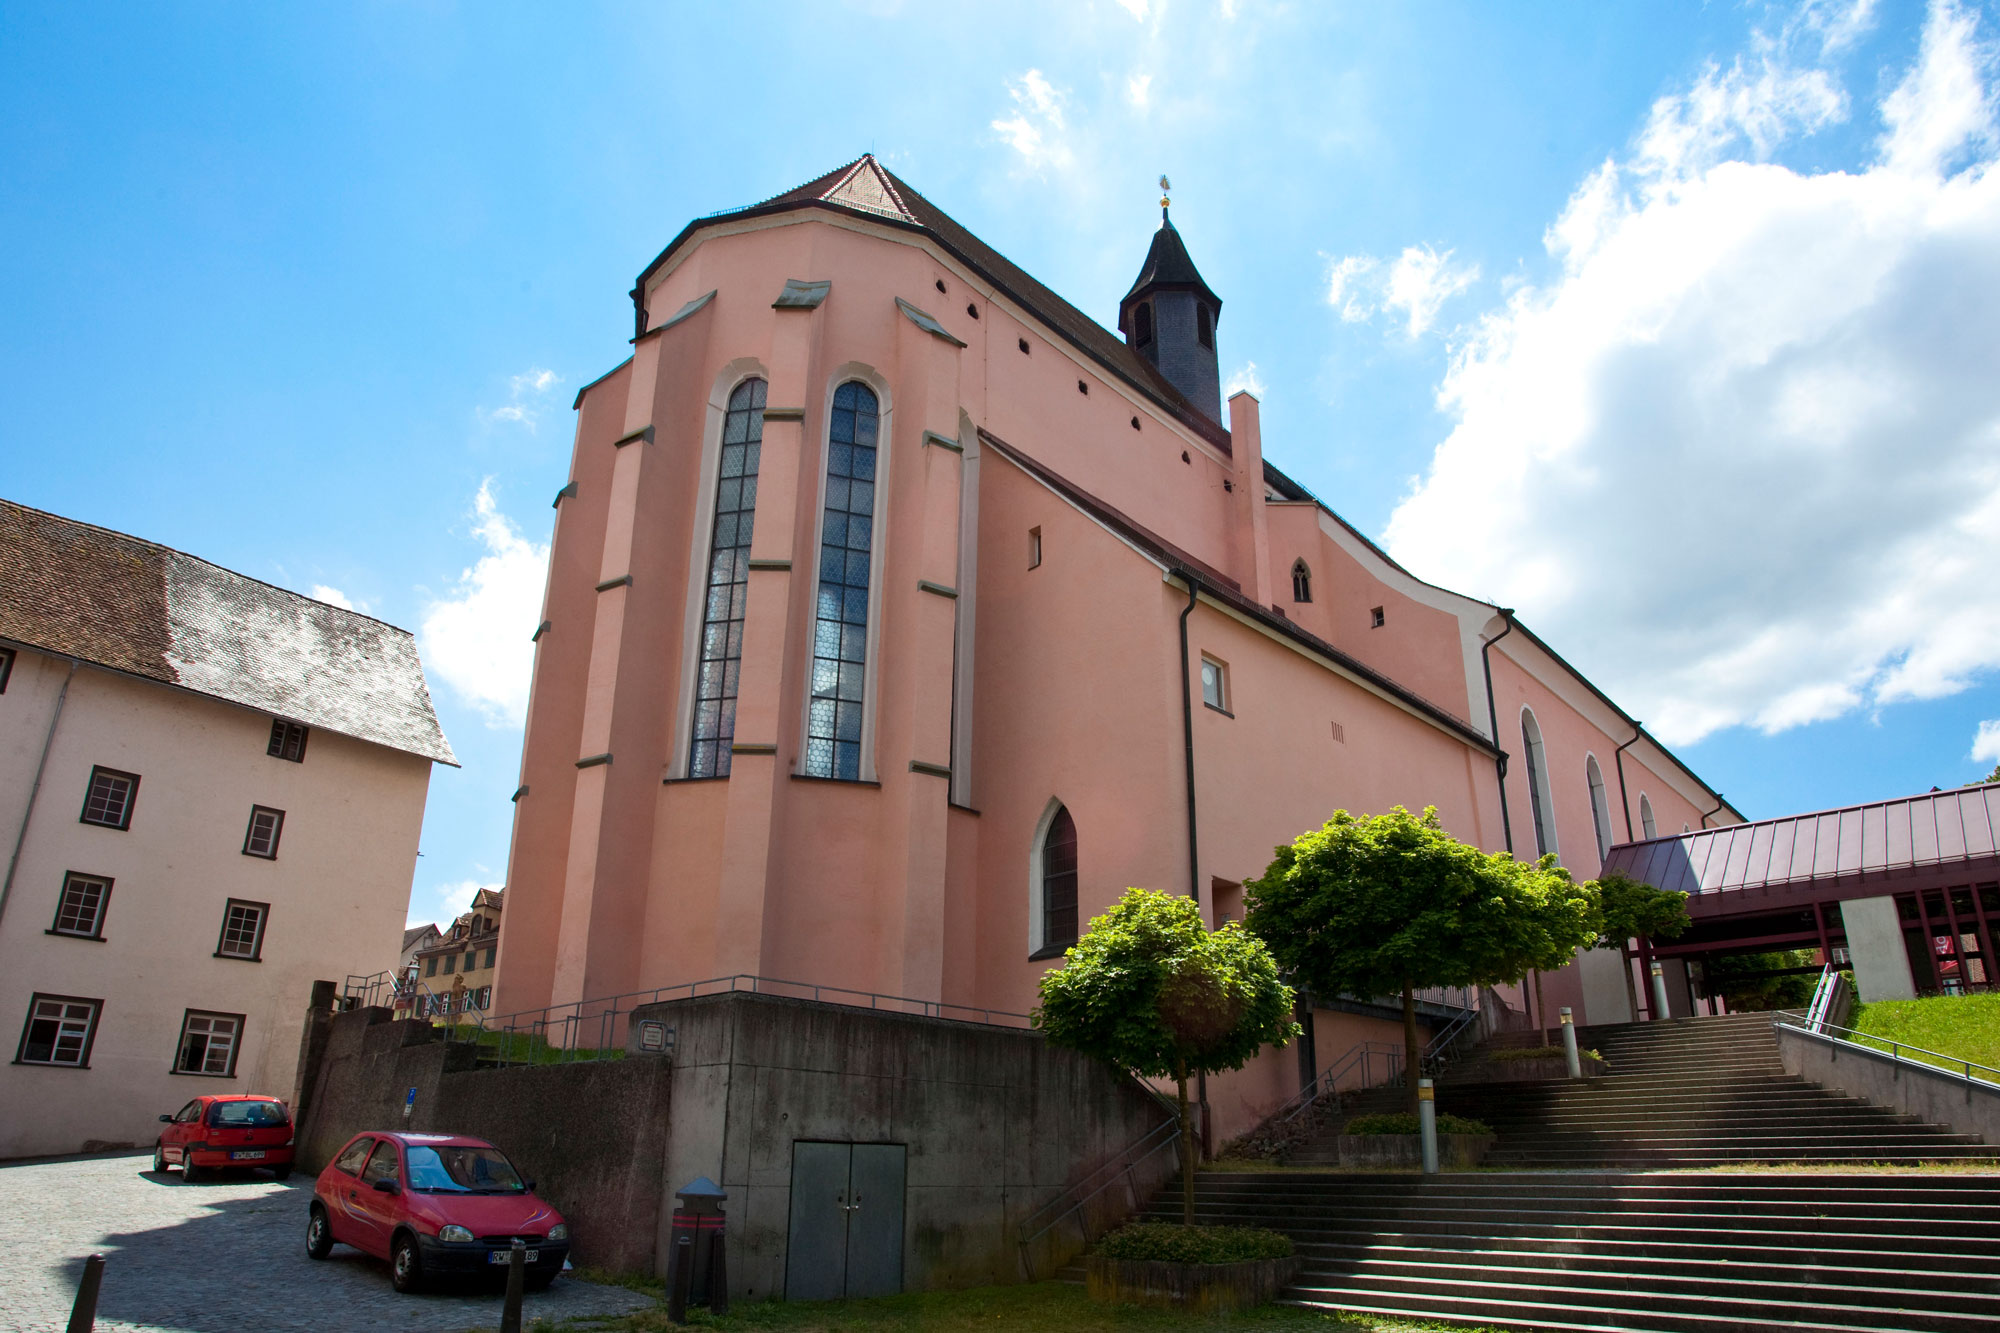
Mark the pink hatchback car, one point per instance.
(433, 1204)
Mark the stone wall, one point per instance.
(995, 1122)
(1935, 1095)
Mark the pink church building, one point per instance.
(900, 615)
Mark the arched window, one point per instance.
(1600, 806)
(840, 632)
(1646, 817)
(1538, 785)
(728, 585)
(1142, 323)
(1059, 882)
(1302, 582)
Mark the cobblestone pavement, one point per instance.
(222, 1257)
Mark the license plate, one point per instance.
(501, 1256)
(252, 1156)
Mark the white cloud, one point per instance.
(1136, 8)
(524, 392)
(1036, 130)
(477, 638)
(335, 597)
(1246, 378)
(441, 904)
(1740, 457)
(1416, 283)
(1986, 745)
(1138, 90)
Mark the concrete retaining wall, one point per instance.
(1929, 1094)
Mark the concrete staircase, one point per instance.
(1602, 1251)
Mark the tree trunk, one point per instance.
(1413, 1055)
(1187, 1150)
(1541, 1010)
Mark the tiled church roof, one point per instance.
(135, 606)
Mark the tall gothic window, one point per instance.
(728, 583)
(1538, 784)
(1302, 582)
(840, 634)
(1059, 881)
(1646, 821)
(1600, 806)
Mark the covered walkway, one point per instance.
(1907, 891)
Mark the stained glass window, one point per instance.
(728, 586)
(840, 631)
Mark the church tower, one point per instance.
(1169, 318)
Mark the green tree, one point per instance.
(1633, 909)
(1381, 904)
(1151, 989)
(1760, 982)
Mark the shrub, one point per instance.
(1402, 1122)
(1534, 1053)
(1172, 1243)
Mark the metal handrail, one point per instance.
(1363, 1053)
(1437, 1053)
(1896, 1049)
(1071, 1201)
(1822, 999)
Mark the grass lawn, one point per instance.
(1967, 1026)
(1016, 1309)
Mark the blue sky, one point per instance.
(1673, 327)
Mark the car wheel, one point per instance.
(159, 1158)
(319, 1234)
(189, 1171)
(406, 1266)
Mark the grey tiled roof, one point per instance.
(138, 607)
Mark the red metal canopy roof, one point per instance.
(1944, 837)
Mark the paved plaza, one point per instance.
(215, 1258)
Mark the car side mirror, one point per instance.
(166, 1120)
(387, 1187)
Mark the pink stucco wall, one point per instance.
(1060, 682)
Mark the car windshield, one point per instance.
(455, 1169)
(247, 1115)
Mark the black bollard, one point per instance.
(681, 1280)
(718, 1277)
(517, 1265)
(83, 1315)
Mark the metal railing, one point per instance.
(1073, 1203)
(595, 1029)
(1822, 998)
(1443, 1046)
(1900, 1052)
(1378, 1063)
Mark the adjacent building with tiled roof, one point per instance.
(212, 790)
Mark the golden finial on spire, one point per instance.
(1165, 186)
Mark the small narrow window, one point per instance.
(59, 1031)
(1059, 882)
(1302, 582)
(242, 931)
(1600, 805)
(1024, 345)
(1204, 326)
(1646, 816)
(1034, 548)
(1142, 324)
(80, 910)
(108, 802)
(940, 284)
(846, 546)
(1538, 785)
(1377, 618)
(261, 838)
(6, 667)
(208, 1044)
(972, 310)
(288, 741)
(1135, 423)
(1214, 684)
(728, 585)
(1081, 387)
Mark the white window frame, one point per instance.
(1600, 805)
(1542, 800)
(1037, 918)
(277, 833)
(1220, 703)
(229, 910)
(1646, 821)
(68, 1024)
(72, 878)
(231, 1045)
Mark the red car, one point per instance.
(227, 1132)
(433, 1204)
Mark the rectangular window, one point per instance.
(450, 961)
(261, 838)
(1034, 548)
(109, 800)
(489, 956)
(80, 910)
(6, 667)
(208, 1044)
(471, 960)
(59, 1031)
(242, 930)
(846, 546)
(430, 967)
(1214, 684)
(728, 588)
(288, 741)
(1377, 618)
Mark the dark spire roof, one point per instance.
(1167, 265)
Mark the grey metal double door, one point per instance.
(847, 1221)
